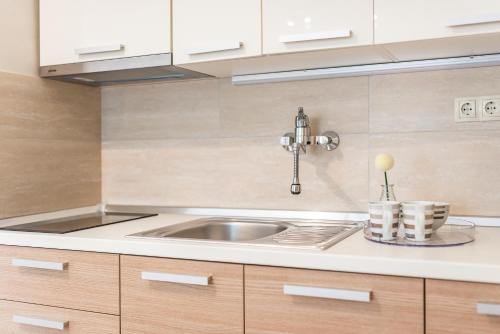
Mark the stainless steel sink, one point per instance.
(297, 234)
(222, 229)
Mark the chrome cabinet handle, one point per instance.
(488, 309)
(225, 46)
(37, 322)
(315, 36)
(339, 294)
(176, 278)
(99, 49)
(471, 20)
(26, 263)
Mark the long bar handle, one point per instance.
(488, 309)
(339, 294)
(27, 263)
(225, 46)
(99, 49)
(37, 322)
(315, 36)
(176, 278)
(471, 20)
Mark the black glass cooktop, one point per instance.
(76, 223)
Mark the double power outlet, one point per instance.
(475, 109)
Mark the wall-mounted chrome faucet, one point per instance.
(298, 141)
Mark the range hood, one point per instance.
(121, 70)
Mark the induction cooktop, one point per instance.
(76, 223)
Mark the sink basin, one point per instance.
(268, 232)
(224, 230)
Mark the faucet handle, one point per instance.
(287, 141)
(329, 140)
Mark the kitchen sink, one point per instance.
(232, 230)
(268, 232)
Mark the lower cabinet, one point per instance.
(462, 308)
(180, 297)
(21, 318)
(295, 301)
(92, 293)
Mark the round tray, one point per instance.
(454, 233)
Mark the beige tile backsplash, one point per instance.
(208, 143)
(50, 137)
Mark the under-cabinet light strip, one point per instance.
(372, 69)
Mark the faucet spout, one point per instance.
(295, 187)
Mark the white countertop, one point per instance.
(478, 261)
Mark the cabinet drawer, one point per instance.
(400, 21)
(299, 25)
(294, 301)
(77, 280)
(21, 318)
(178, 296)
(215, 30)
(462, 308)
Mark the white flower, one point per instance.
(384, 162)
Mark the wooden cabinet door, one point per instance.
(295, 301)
(462, 308)
(215, 30)
(302, 25)
(21, 318)
(85, 30)
(180, 297)
(401, 21)
(77, 280)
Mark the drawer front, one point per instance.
(215, 30)
(295, 301)
(77, 280)
(21, 318)
(462, 308)
(399, 21)
(178, 296)
(298, 25)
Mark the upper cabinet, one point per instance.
(215, 30)
(84, 30)
(228, 37)
(302, 25)
(402, 21)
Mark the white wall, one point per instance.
(19, 36)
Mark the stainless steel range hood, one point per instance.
(121, 70)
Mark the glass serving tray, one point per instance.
(454, 233)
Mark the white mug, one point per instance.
(384, 219)
(418, 219)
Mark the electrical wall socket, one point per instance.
(466, 109)
(489, 108)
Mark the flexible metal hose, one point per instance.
(295, 188)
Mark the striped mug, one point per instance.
(418, 219)
(384, 219)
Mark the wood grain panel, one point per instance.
(396, 304)
(451, 307)
(79, 322)
(51, 144)
(150, 307)
(90, 281)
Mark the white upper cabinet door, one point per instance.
(410, 20)
(217, 29)
(73, 31)
(304, 25)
